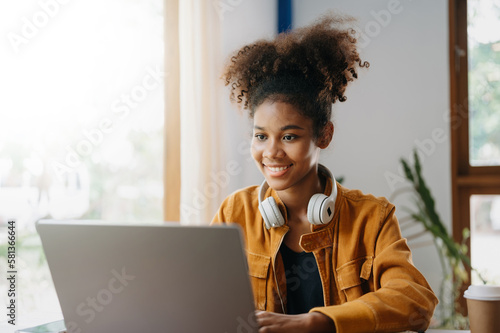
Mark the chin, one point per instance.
(278, 185)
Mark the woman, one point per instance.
(322, 258)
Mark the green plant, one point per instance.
(452, 255)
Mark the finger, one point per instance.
(259, 312)
(264, 318)
(269, 328)
(263, 314)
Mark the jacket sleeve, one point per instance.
(223, 215)
(401, 299)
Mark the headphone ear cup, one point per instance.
(271, 213)
(320, 209)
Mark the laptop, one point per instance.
(149, 278)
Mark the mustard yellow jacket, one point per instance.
(369, 281)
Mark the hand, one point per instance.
(313, 322)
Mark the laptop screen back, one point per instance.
(149, 278)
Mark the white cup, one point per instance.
(483, 305)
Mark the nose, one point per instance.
(273, 149)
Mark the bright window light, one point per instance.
(81, 123)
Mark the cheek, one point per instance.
(255, 151)
(305, 151)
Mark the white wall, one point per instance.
(394, 106)
(246, 23)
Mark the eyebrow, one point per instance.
(284, 128)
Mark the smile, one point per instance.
(277, 168)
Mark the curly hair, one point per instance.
(308, 68)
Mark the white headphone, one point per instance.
(319, 210)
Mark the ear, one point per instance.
(326, 135)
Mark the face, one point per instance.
(283, 145)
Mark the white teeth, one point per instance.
(278, 168)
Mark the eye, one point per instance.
(289, 137)
(260, 137)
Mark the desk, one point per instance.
(42, 318)
(446, 331)
(6, 328)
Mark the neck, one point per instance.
(296, 199)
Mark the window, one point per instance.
(475, 124)
(485, 235)
(483, 41)
(81, 123)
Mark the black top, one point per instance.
(303, 284)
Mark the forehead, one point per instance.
(278, 114)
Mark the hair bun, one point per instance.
(322, 57)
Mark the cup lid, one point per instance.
(483, 293)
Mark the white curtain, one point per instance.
(200, 62)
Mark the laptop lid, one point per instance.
(149, 278)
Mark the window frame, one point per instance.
(466, 180)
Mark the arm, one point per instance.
(313, 322)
